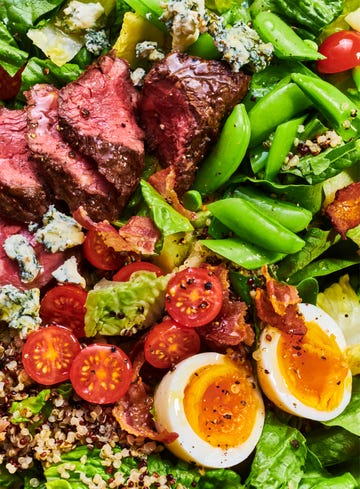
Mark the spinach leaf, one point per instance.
(312, 14)
(23, 410)
(317, 241)
(279, 458)
(22, 15)
(11, 57)
(44, 71)
(333, 445)
(327, 164)
(322, 267)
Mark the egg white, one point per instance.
(170, 414)
(272, 381)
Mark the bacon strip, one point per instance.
(344, 211)
(138, 235)
(278, 306)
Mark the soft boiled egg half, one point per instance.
(306, 375)
(215, 406)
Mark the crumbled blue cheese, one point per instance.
(79, 16)
(149, 50)
(17, 247)
(185, 20)
(96, 41)
(59, 231)
(241, 45)
(68, 273)
(20, 308)
(137, 76)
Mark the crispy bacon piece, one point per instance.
(230, 327)
(164, 181)
(138, 235)
(133, 411)
(344, 211)
(278, 306)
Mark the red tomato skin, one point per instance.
(9, 85)
(99, 255)
(194, 297)
(126, 271)
(99, 364)
(65, 305)
(167, 343)
(46, 349)
(342, 51)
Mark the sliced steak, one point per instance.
(73, 177)
(9, 269)
(183, 103)
(23, 194)
(97, 115)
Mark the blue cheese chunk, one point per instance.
(185, 19)
(68, 273)
(20, 308)
(78, 16)
(17, 247)
(59, 231)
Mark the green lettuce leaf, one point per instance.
(11, 57)
(82, 465)
(22, 411)
(123, 308)
(279, 458)
(166, 218)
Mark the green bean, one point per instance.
(227, 154)
(281, 145)
(333, 104)
(284, 102)
(252, 225)
(287, 44)
(290, 215)
(242, 253)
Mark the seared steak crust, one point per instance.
(183, 103)
(23, 193)
(97, 116)
(73, 177)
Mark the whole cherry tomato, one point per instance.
(342, 51)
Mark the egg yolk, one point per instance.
(313, 367)
(221, 405)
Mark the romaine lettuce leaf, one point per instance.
(123, 308)
(22, 411)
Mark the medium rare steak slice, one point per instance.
(183, 103)
(97, 115)
(23, 194)
(73, 177)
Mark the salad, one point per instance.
(207, 334)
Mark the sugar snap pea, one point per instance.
(242, 253)
(281, 145)
(282, 103)
(287, 44)
(227, 154)
(332, 103)
(290, 215)
(252, 225)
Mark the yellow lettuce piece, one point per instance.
(342, 304)
(136, 29)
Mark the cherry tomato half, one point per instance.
(48, 354)
(194, 296)
(168, 343)
(9, 85)
(126, 271)
(342, 51)
(101, 373)
(99, 254)
(65, 305)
